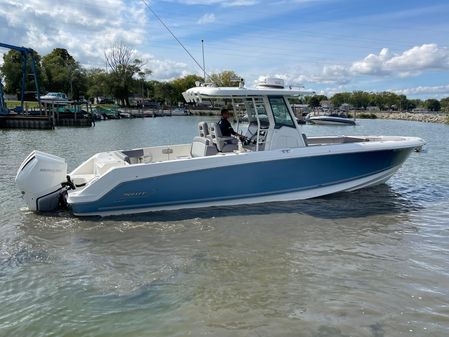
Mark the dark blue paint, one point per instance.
(245, 180)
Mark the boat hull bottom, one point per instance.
(369, 181)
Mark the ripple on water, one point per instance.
(18, 254)
(369, 263)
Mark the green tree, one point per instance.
(227, 78)
(150, 88)
(433, 104)
(165, 92)
(445, 104)
(360, 99)
(341, 98)
(315, 100)
(140, 84)
(182, 84)
(417, 103)
(388, 100)
(405, 104)
(97, 83)
(411, 104)
(63, 73)
(11, 70)
(124, 67)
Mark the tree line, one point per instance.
(384, 101)
(125, 75)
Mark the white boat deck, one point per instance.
(101, 163)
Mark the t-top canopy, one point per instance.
(206, 92)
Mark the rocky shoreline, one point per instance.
(407, 116)
(418, 117)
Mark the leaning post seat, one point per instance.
(224, 144)
(202, 146)
(203, 129)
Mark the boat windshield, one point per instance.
(281, 114)
(255, 108)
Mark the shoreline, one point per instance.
(408, 116)
(442, 118)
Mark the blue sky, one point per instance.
(325, 45)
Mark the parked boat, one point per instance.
(179, 112)
(108, 113)
(55, 97)
(124, 114)
(276, 162)
(330, 119)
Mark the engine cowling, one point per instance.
(41, 178)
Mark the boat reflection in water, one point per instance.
(276, 162)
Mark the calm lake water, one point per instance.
(369, 263)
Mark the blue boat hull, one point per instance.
(241, 182)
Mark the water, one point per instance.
(370, 263)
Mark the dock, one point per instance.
(25, 122)
(50, 115)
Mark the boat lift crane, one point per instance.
(25, 53)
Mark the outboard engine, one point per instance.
(42, 179)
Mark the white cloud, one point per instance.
(410, 62)
(242, 3)
(372, 64)
(239, 3)
(165, 70)
(330, 74)
(84, 28)
(334, 74)
(439, 90)
(207, 18)
(223, 3)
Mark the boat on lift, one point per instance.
(56, 97)
(276, 162)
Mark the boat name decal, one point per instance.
(134, 194)
(50, 170)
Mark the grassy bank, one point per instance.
(27, 104)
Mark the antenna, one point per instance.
(172, 34)
(204, 62)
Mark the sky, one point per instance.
(329, 46)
